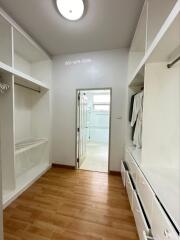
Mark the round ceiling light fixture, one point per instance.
(71, 9)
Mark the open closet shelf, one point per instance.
(5, 68)
(29, 144)
(23, 182)
(21, 56)
(160, 47)
(23, 79)
(27, 81)
(168, 45)
(138, 82)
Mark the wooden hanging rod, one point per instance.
(175, 61)
(18, 84)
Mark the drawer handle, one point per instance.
(167, 233)
(143, 183)
(137, 210)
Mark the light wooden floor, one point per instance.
(71, 205)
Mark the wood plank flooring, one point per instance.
(67, 204)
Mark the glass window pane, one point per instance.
(101, 99)
(101, 108)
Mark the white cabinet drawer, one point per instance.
(131, 165)
(130, 190)
(140, 220)
(145, 193)
(162, 229)
(123, 173)
(146, 237)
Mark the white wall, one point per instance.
(88, 70)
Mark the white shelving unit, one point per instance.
(25, 109)
(156, 43)
(29, 144)
(30, 59)
(21, 56)
(169, 19)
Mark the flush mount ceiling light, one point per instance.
(71, 9)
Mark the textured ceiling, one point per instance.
(107, 24)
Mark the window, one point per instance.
(99, 99)
(100, 107)
(101, 102)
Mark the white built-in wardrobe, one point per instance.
(25, 80)
(151, 173)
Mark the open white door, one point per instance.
(81, 127)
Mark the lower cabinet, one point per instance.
(130, 189)
(146, 237)
(123, 173)
(162, 228)
(151, 220)
(145, 193)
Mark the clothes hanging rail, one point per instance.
(18, 84)
(174, 62)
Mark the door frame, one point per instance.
(110, 118)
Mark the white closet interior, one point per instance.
(155, 168)
(6, 42)
(30, 59)
(25, 109)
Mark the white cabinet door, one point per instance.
(123, 173)
(146, 237)
(130, 190)
(132, 166)
(145, 193)
(140, 220)
(162, 228)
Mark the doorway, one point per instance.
(93, 117)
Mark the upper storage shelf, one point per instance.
(157, 14)
(30, 59)
(138, 46)
(21, 56)
(151, 28)
(6, 42)
(168, 47)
